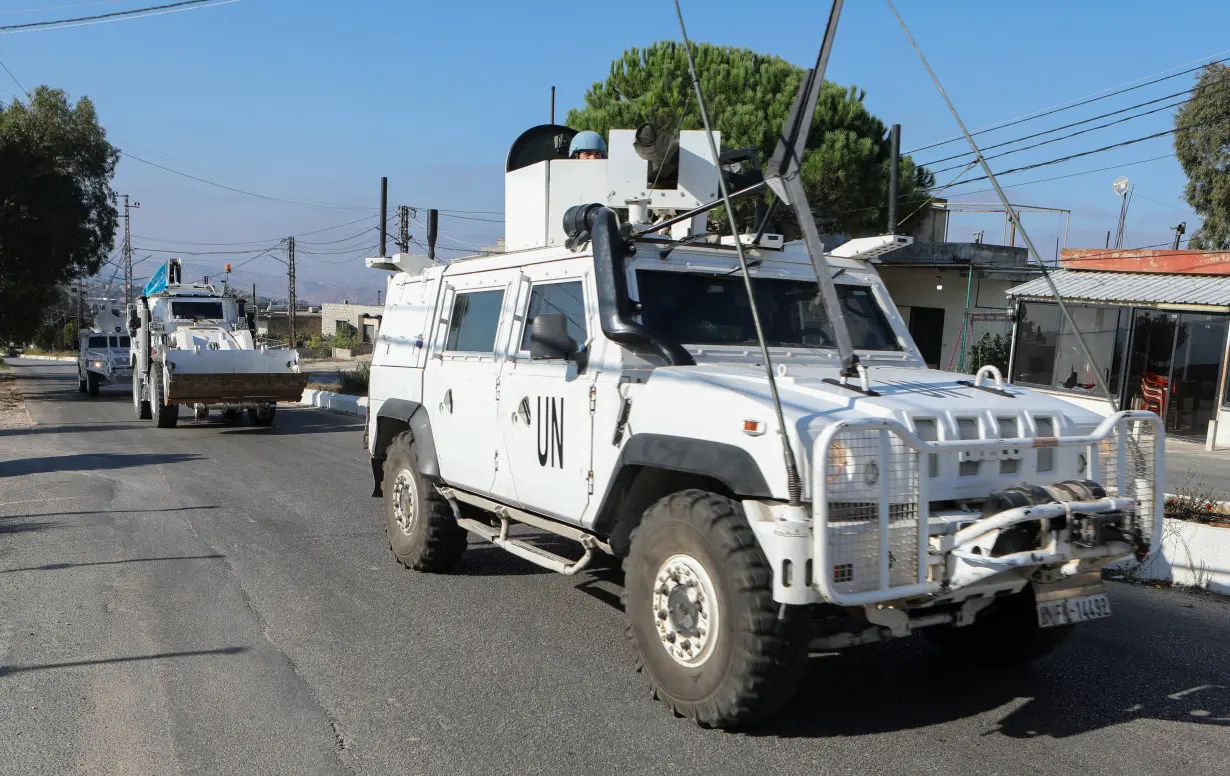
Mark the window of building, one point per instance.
(566, 299)
(1037, 331)
(475, 321)
(1048, 352)
(1105, 330)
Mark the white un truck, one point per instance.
(102, 353)
(193, 345)
(604, 381)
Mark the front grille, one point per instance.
(1126, 467)
(853, 500)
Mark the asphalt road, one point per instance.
(220, 600)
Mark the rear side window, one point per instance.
(475, 320)
(562, 298)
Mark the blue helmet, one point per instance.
(586, 141)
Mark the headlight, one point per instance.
(841, 462)
(96, 364)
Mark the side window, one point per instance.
(475, 320)
(566, 299)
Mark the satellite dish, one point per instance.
(1121, 185)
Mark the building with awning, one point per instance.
(1157, 327)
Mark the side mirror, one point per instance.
(134, 322)
(549, 337)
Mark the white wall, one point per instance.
(915, 286)
(1191, 554)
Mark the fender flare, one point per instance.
(732, 466)
(395, 416)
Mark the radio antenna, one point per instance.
(794, 485)
(1012, 213)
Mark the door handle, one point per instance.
(522, 413)
(446, 404)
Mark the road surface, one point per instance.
(220, 600)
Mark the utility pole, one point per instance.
(1178, 234)
(128, 249)
(403, 229)
(290, 273)
(384, 216)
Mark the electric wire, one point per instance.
(1060, 109)
(114, 16)
(1084, 121)
(1068, 136)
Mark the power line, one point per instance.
(1070, 175)
(1060, 109)
(10, 72)
(1070, 157)
(1078, 123)
(1065, 137)
(242, 191)
(58, 7)
(253, 242)
(136, 13)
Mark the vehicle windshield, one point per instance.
(97, 342)
(700, 309)
(119, 342)
(197, 311)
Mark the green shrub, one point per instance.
(355, 381)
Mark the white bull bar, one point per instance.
(871, 510)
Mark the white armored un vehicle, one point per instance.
(102, 354)
(604, 380)
(193, 345)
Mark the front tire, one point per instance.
(140, 405)
(262, 416)
(1006, 633)
(81, 384)
(422, 530)
(165, 415)
(91, 383)
(702, 622)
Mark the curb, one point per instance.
(341, 403)
(67, 359)
(1186, 553)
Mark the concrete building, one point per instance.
(275, 323)
(1157, 324)
(953, 294)
(365, 318)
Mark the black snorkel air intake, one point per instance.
(600, 226)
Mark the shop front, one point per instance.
(1159, 342)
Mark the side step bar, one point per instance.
(522, 549)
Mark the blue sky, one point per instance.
(314, 101)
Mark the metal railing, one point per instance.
(871, 502)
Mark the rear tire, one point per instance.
(422, 530)
(1006, 633)
(91, 383)
(702, 622)
(140, 405)
(232, 416)
(262, 416)
(166, 415)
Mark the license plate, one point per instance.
(1067, 611)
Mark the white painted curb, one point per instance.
(1191, 554)
(341, 403)
(68, 359)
